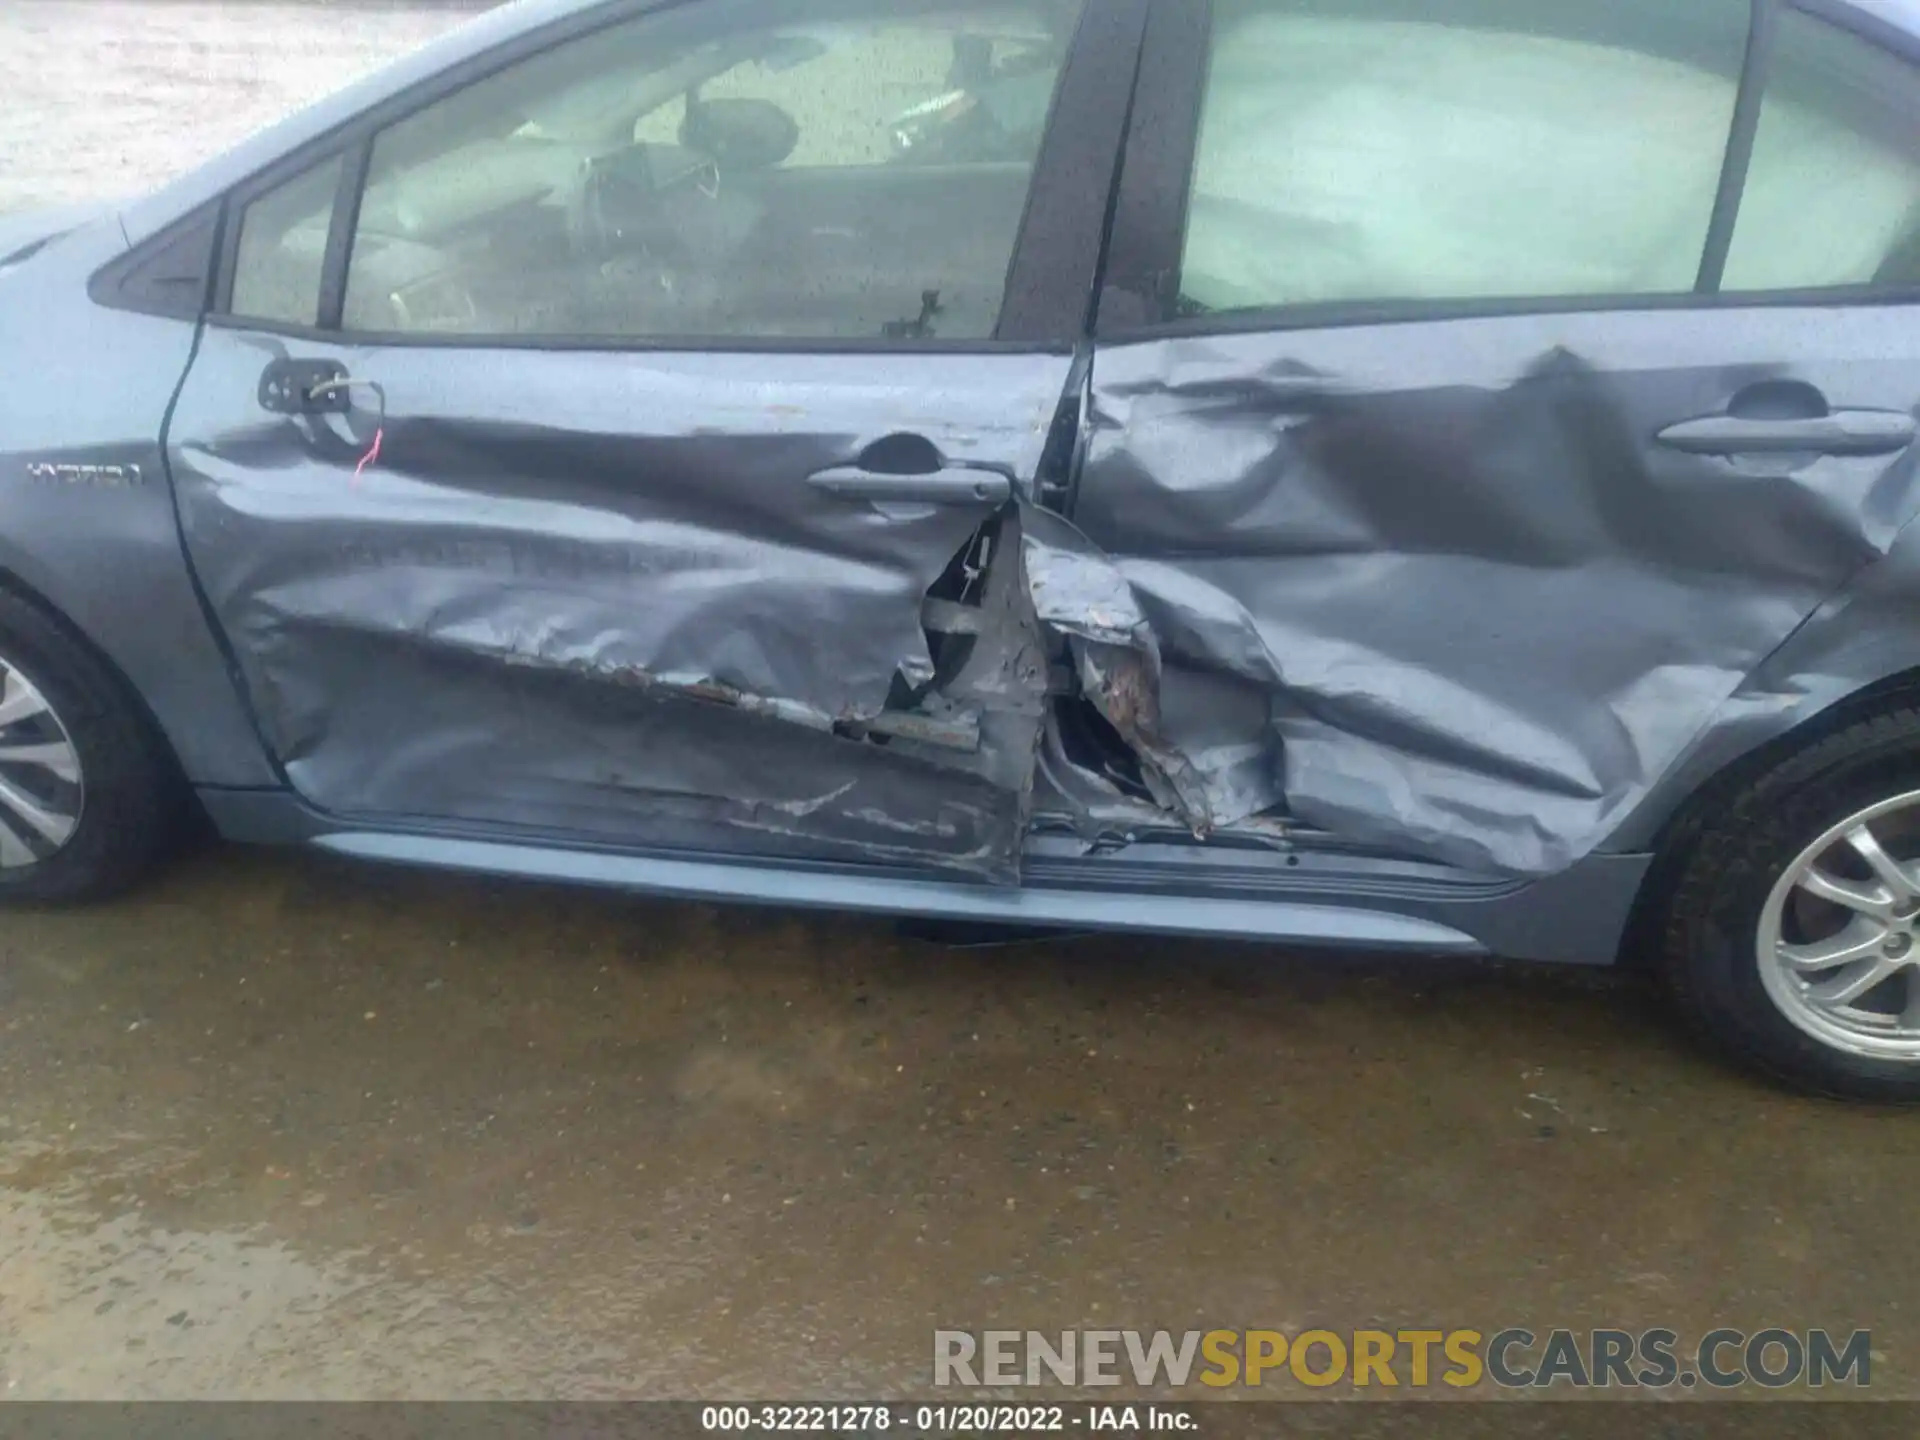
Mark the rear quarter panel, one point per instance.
(1863, 639)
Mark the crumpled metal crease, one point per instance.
(1400, 573)
(1324, 592)
(1084, 595)
(614, 609)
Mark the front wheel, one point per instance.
(86, 793)
(1793, 932)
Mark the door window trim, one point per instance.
(1763, 28)
(1138, 292)
(1047, 304)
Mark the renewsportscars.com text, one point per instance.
(1512, 1358)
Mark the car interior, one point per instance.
(638, 201)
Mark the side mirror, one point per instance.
(739, 134)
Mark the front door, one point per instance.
(1474, 427)
(590, 451)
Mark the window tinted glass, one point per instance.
(1458, 149)
(1833, 196)
(719, 170)
(283, 246)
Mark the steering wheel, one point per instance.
(621, 207)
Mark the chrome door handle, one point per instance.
(1844, 432)
(955, 485)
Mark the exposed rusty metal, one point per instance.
(953, 732)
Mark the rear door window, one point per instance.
(1833, 193)
(1366, 150)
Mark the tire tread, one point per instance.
(1744, 838)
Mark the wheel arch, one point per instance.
(15, 585)
(1673, 838)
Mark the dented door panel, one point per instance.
(595, 594)
(1487, 605)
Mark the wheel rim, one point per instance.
(41, 790)
(1839, 938)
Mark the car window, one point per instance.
(718, 170)
(1833, 193)
(1364, 150)
(282, 248)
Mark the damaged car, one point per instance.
(1432, 475)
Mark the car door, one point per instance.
(589, 445)
(1484, 389)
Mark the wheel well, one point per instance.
(1676, 836)
(157, 735)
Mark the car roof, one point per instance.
(1902, 13)
(1887, 20)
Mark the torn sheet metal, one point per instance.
(1486, 607)
(1451, 597)
(1200, 737)
(594, 595)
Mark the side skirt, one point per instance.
(1300, 898)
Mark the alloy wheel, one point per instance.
(41, 791)
(1839, 936)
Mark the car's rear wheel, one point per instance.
(86, 795)
(1793, 931)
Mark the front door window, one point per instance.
(720, 171)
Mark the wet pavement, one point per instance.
(283, 1126)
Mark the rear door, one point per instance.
(586, 447)
(1484, 389)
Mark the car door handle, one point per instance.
(954, 485)
(1844, 432)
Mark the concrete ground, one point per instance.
(283, 1126)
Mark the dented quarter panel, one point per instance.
(1866, 637)
(593, 594)
(1487, 609)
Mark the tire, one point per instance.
(128, 792)
(1746, 945)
